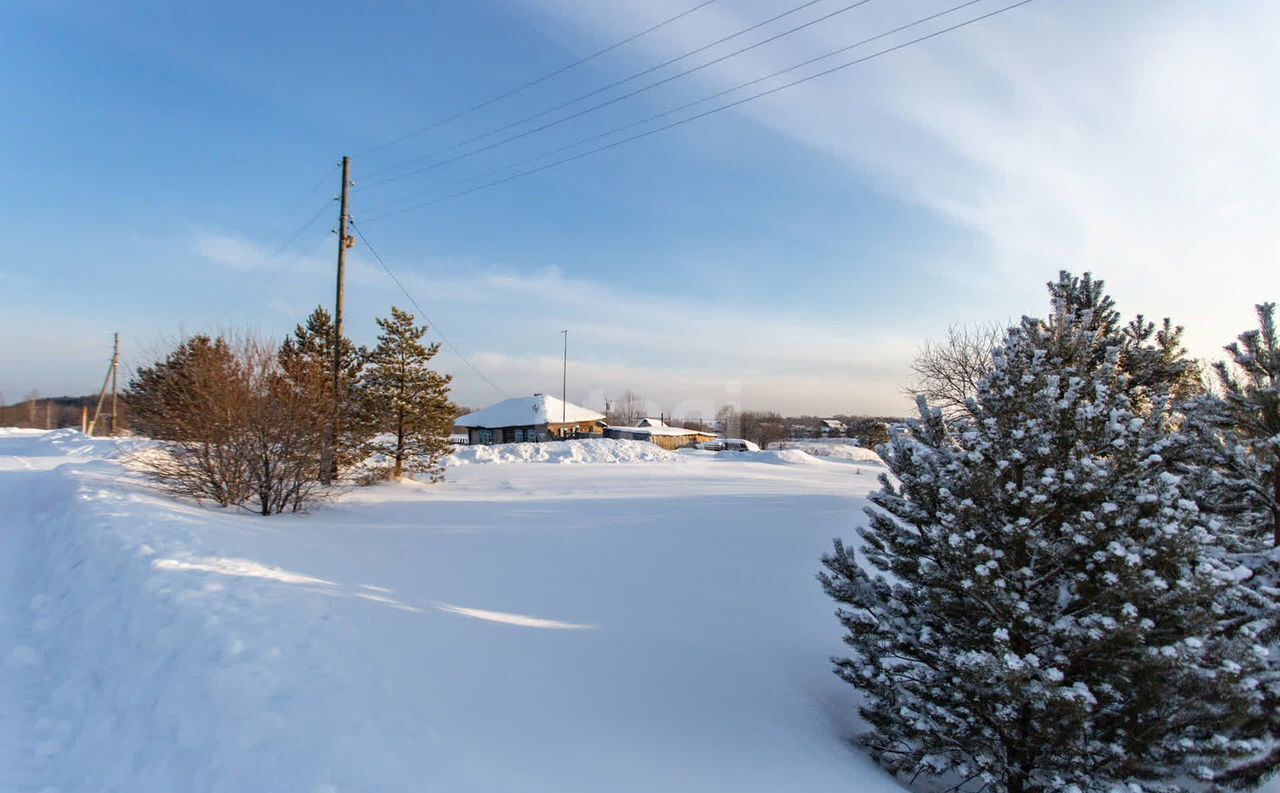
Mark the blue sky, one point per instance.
(791, 253)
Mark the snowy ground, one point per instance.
(834, 448)
(635, 626)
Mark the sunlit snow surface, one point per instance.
(651, 625)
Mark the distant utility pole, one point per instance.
(564, 381)
(115, 390)
(110, 379)
(344, 241)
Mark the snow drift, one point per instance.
(591, 450)
(833, 449)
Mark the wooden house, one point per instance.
(657, 432)
(833, 428)
(531, 419)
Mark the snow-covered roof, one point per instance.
(528, 411)
(663, 430)
(648, 421)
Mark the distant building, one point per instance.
(531, 419)
(833, 427)
(659, 433)
(798, 431)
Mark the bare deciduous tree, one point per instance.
(629, 409)
(947, 371)
(763, 427)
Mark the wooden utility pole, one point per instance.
(344, 241)
(115, 390)
(102, 395)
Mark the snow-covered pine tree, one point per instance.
(406, 400)
(1036, 605)
(1235, 454)
(306, 359)
(1250, 413)
(1154, 360)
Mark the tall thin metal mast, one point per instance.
(564, 382)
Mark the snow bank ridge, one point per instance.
(833, 449)
(591, 450)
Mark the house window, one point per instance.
(484, 436)
(520, 435)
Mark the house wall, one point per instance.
(579, 428)
(671, 442)
(531, 432)
(674, 442)
(489, 435)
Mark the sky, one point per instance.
(172, 168)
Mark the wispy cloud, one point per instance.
(1132, 139)
(683, 350)
(1126, 138)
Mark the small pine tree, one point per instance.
(1037, 605)
(406, 400)
(306, 359)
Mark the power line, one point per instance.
(289, 241)
(599, 90)
(310, 191)
(423, 313)
(297, 233)
(701, 115)
(271, 278)
(524, 86)
(616, 99)
(718, 94)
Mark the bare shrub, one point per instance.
(193, 403)
(232, 427)
(286, 432)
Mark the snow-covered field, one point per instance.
(646, 625)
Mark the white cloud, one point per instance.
(230, 251)
(681, 350)
(1128, 138)
(1133, 139)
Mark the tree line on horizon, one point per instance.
(762, 427)
(47, 413)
